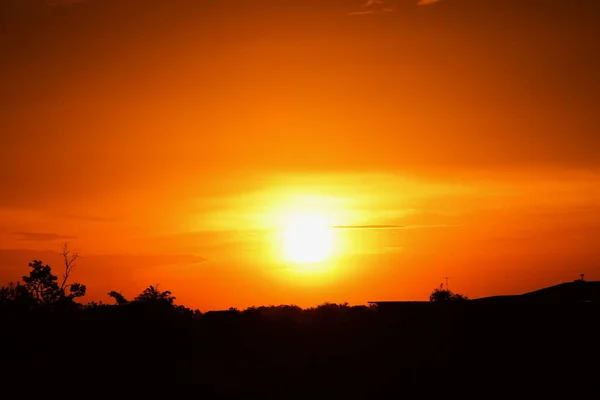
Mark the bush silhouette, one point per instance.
(440, 295)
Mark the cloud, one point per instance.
(367, 227)
(394, 226)
(19, 258)
(372, 7)
(433, 226)
(59, 3)
(105, 272)
(41, 237)
(90, 218)
(382, 6)
(144, 261)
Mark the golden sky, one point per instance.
(167, 141)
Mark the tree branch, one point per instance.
(69, 259)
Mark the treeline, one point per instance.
(287, 351)
(44, 291)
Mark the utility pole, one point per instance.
(447, 288)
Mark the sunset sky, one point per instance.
(171, 142)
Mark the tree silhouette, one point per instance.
(17, 294)
(441, 295)
(119, 298)
(153, 294)
(45, 288)
(69, 259)
(41, 283)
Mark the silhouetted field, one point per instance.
(336, 350)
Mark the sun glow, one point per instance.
(307, 238)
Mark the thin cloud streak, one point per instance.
(381, 6)
(367, 227)
(41, 236)
(393, 226)
(90, 218)
(60, 3)
(373, 7)
(432, 226)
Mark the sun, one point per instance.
(307, 239)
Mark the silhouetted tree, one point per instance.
(41, 283)
(188, 312)
(15, 294)
(69, 259)
(153, 294)
(119, 298)
(12, 291)
(45, 287)
(440, 295)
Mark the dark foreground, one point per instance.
(330, 352)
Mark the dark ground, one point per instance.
(331, 351)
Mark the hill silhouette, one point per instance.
(578, 291)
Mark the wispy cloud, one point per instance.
(382, 6)
(393, 226)
(91, 218)
(372, 7)
(41, 236)
(433, 226)
(59, 3)
(367, 227)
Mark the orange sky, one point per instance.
(163, 138)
